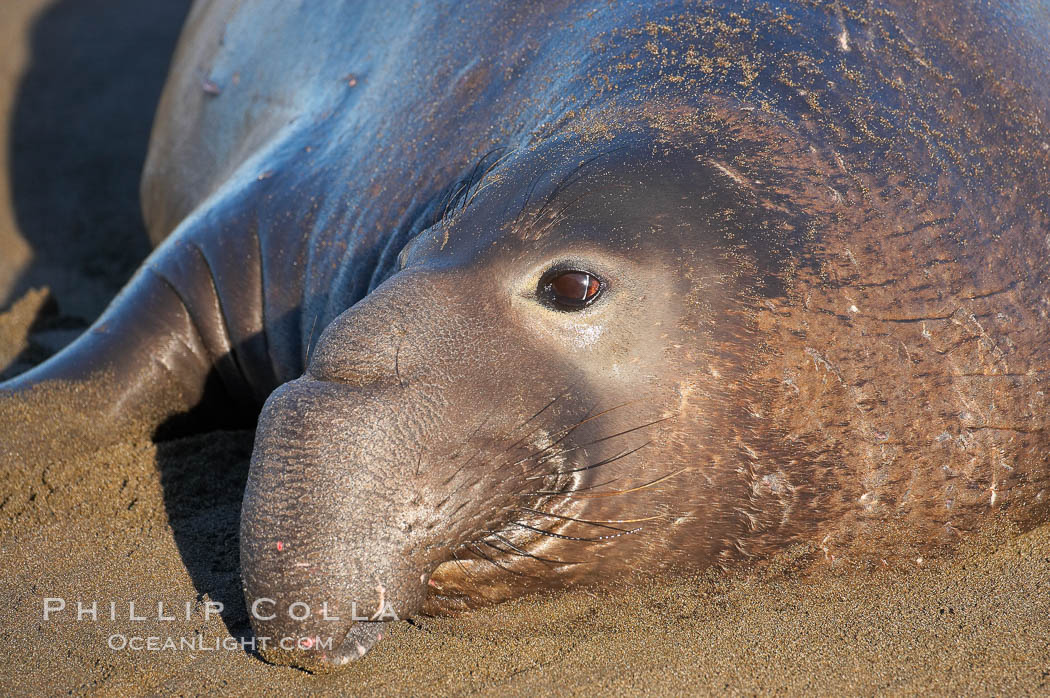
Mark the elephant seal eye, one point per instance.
(571, 290)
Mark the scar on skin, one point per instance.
(732, 174)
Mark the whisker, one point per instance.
(528, 197)
(580, 423)
(578, 489)
(310, 342)
(657, 481)
(613, 459)
(507, 153)
(569, 518)
(463, 192)
(550, 404)
(451, 200)
(397, 364)
(626, 431)
(459, 563)
(518, 442)
(569, 179)
(561, 212)
(485, 421)
(521, 552)
(623, 454)
(506, 569)
(604, 438)
(419, 461)
(564, 537)
(589, 521)
(561, 186)
(560, 396)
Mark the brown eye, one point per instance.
(571, 289)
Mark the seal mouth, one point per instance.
(359, 639)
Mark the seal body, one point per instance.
(543, 295)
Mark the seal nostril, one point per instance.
(318, 654)
(360, 638)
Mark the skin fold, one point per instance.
(817, 235)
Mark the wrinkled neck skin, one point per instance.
(794, 339)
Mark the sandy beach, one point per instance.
(148, 522)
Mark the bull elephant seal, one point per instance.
(539, 295)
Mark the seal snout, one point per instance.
(326, 560)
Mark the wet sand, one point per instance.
(149, 522)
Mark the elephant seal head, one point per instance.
(507, 412)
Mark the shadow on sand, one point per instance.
(80, 129)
